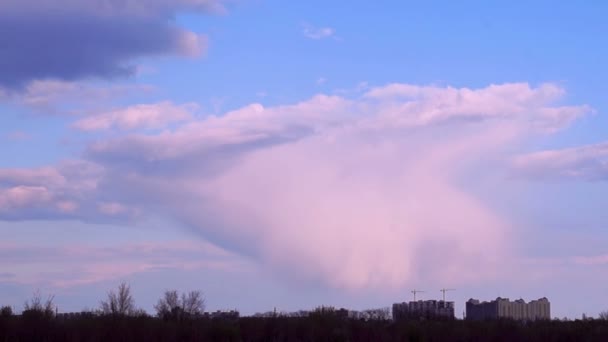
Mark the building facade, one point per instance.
(539, 309)
(431, 309)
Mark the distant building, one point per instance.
(504, 308)
(232, 314)
(423, 309)
(76, 315)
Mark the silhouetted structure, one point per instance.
(504, 308)
(227, 315)
(423, 309)
(76, 315)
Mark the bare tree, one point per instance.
(166, 304)
(6, 311)
(36, 305)
(172, 306)
(120, 302)
(193, 303)
(604, 315)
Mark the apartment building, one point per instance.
(504, 308)
(423, 309)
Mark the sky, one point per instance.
(287, 155)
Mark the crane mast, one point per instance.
(444, 291)
(416, 291)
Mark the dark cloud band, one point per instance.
(70, 44)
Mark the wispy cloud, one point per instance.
(65, 266)
(156, 115)
(312, 32)
(592, 260)
(6, 275)
(52, 97)
(362, 86)
(18, 136)
(587, 163)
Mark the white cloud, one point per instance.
(313, 32)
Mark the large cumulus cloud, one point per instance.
(71, 40)
(372, 191)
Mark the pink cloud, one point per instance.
(67, 266)
(155, 115)
(67, 206)
(112, 208)
(47, 176)
(244, 127)
(359, 214)
(67, 190)
(23, 196)
(192, 44)
(18, 136)
(369, 192)
(592, 260)
(580, 163)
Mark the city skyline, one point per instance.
(304, 154)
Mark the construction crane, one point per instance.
(416, 291)
(444, 291)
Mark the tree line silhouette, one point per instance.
(182, 317)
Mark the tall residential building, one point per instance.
(423, 309)
(504, 308)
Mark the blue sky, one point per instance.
(322, 153)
